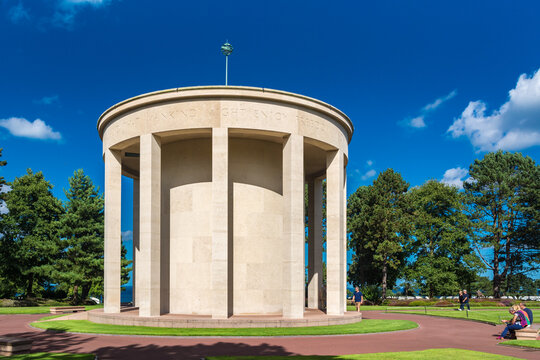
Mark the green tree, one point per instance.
(379, 226)
(82, 236)
(30, 243)
(441, 257)
(503, 203)
(6, 286)
(2, 180)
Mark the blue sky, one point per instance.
(430, 86)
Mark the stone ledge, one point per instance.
(191, 321)
(10, 345)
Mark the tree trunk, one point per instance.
(384, 271)
(29, 287)
(496, 276)
(76, 294)
(85, 291)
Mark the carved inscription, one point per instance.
(245, 111)
(306, 121)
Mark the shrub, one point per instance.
(372, 294)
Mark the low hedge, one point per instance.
(455, 302)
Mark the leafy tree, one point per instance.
(30, 241)
(519, 285)
(82, 232)
(503, 196)
(442, 260)
(379, 226)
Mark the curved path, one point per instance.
(433, 332)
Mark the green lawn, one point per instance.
(440, 354)
(363, 327)
(488, 316)
(35, 309)
(50, 356)
(525, 343)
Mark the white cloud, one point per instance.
(46, 13)
(514, 126)
(18, 13)
(47, 100)
(3, 208)
(454, 177)
(92, 2)
(127, 235)
(419, 122)
(438, 102)
(369, 162)
(369, 174)
(23, 128)
(66, 10)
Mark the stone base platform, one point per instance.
(312, 317)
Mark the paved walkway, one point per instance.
(432, 333)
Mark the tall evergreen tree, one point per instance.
(442, 260)
(2, 163)
(379, 226)
(82, 236)
(30, 241)
(504, 205)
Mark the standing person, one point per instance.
(518, 321)
(466, 300)
(527, 311)
(460, 300)
(358, 298)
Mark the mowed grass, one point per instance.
(489, 316)
(440, 354)
(535, 344)
(35, 309)
(363, 327)
(50, 356)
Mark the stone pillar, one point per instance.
(136, 244)
(220, 224)
(335, 252)
(113, 232)
(315, 242)
(149, 226)
(293, 227)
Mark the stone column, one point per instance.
(334, 234)
(136, 244)
(113, 233)
(293, 227)
(149, 226)
(220, 224)
(315, 242)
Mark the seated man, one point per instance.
(528, 311)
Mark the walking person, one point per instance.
(358, 298)
(460, 300)
(465, 300)
(517, 322)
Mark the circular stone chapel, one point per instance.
(219, 176)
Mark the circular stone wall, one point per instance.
(219, 180)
